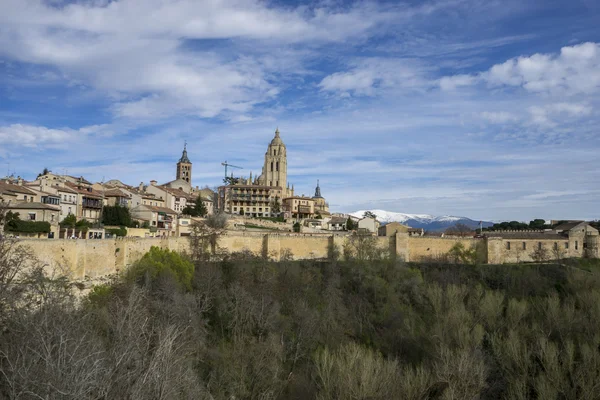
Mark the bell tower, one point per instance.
(274, 172)
(184, 166)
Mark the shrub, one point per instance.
(100, 295)
(28, 226)
(121, 231)
(158, 262)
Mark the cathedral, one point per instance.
(269, 194)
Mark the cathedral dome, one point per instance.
(277, 140)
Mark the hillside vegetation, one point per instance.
(248, 328)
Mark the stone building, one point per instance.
(299, 207)
(574, 239)
(258, 197)
(274, 170)
(321, 206)
(391, 229)
(184, 167)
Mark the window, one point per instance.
(271, 165)
(567, 245)
(539, 245)
(507, 245)
(576, 245)
(153, 222)
(524, 246)
(277, 166)
(555, 246)
(31, 216)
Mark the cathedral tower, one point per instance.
(184, 167)
(274, 171)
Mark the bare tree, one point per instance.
(205, 235)
(540, 254)
(459, 229)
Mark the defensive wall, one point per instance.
(100, 257)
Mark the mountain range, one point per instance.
(425, 221)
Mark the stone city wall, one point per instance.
(421, 248)
(101, 257)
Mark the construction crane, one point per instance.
(229, 165)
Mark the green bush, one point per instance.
(121, 231)
(158, 262)
(116, 215)
(69, 221)
(19, 226)
(100, 295)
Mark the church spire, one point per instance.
(318, 191)
(184, 157)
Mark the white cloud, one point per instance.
(148, 54)
(575, 70)
(366, 76)
(499, 117)
(552, 115)
(452, 82)
(34, 136)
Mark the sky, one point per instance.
(479, 108)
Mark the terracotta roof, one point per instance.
(299, 198)
(33, 206)
(115, 193)
(567, 226)
(526, 235)
(177, 192)
(9, 187)
(159, 209)
(66, 189)
(80, 179)
(89, 193)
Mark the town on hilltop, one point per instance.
(64, 206)
(61, 206)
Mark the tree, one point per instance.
(538, 224)
(230, 180)
(369, 214)
(69, 221)
(540, 254)
(158, 262)
(275, 206)
(116, 215)
(197, 210)
(205, 235)
(83, 225)
(350, 224)
(46, 171)
(459, 254)
(459, 229)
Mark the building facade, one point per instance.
(184, 167)
(263, 196)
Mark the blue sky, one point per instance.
(486, 109)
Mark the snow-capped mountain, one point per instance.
(425, 221)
